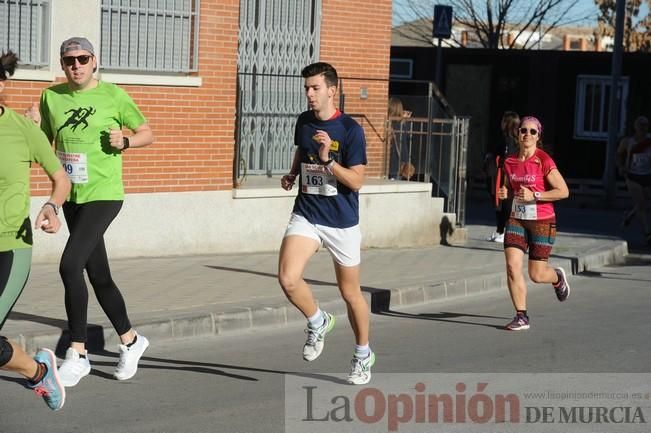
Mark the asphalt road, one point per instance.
(236, 383)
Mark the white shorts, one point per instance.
(344, 245)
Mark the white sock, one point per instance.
(362, 352)
(317, 319)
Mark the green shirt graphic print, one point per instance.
(79, 123)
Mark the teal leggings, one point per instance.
(14, 270)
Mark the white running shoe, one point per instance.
(563, 289)
(129, 357)
(360, 370)
(74, 368)
(492, 236)
(316, 338)
(496, 237)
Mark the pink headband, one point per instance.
(534, 120)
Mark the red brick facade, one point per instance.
(194, 127)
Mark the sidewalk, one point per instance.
(187, 296)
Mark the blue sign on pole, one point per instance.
(442, 24)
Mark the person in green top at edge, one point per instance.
(21, 144)
(84, 117)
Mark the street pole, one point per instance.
(439, 66)
(613, 115)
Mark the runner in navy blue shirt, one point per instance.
(329, 165)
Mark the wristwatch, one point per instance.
(328, 165)
(125, 143)
(537, 195)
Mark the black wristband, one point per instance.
(53, 205)
(125, 143)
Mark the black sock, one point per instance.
(41, 371)
(134, 341)
(521, 313)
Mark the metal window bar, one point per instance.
(593, 96)
(169, 42)
(266, 134)
(434, 141)
(437, 150)
(277, 38)
(25, 29)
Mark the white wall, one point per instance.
(248, 220)
(74, 18)
(69, 18)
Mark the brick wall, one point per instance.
(356, 39)
(194, 127)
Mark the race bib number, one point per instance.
(316, 180)
(524, 210)
(75, 165)
(641, 162)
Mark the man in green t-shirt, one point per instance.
(84, 117)
(22, 144)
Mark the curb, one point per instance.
(380, 300)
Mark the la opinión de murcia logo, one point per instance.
(372, 406)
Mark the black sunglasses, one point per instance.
(531, 131)
(70, 60)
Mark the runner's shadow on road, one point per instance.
(381, 305)
(19, 380)
(95, 332)
(190, 368)
(206, 368)
(444, 316)
(267, 274)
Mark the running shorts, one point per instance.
(344, 245)
(536, 236)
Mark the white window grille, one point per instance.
(24, 29)
(277, 39)
(592, 105)
(150, 35)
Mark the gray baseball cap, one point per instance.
(76, 43)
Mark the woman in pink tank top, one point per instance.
(534, 182)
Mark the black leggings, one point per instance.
(502, 214)
(87, 223)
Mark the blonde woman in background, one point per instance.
(398, 141)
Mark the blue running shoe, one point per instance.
(49, 387)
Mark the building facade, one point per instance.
(187, 64)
